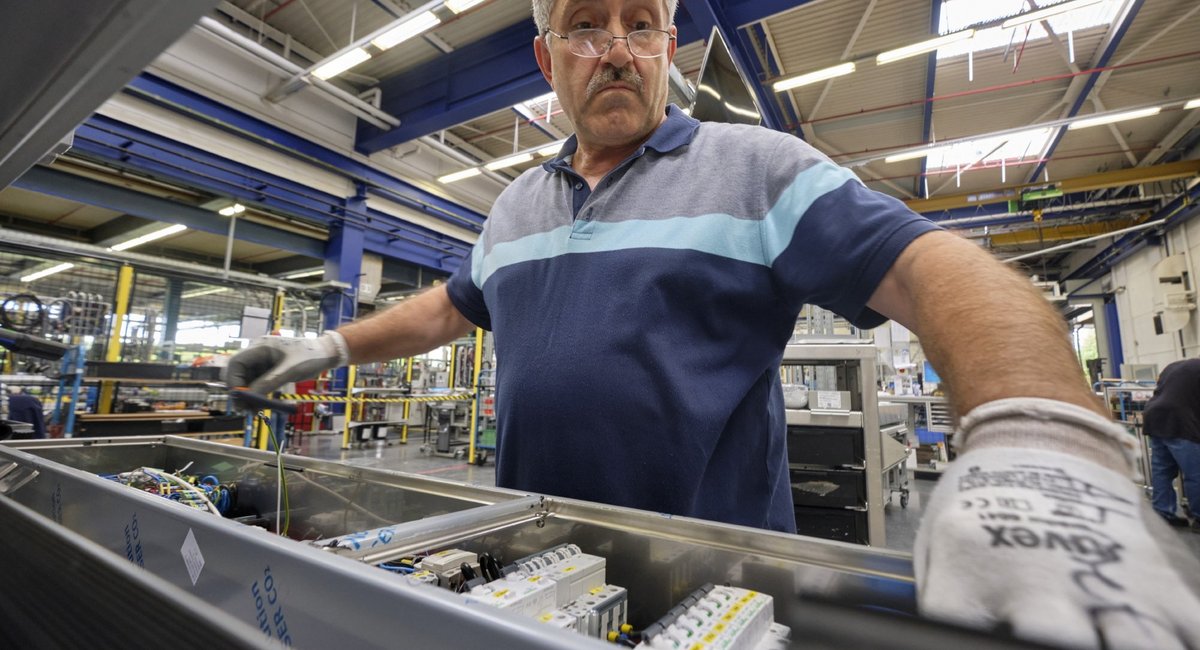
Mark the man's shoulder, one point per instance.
(747, 136)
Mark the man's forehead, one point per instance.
(562, 7)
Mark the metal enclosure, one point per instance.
(291, 590)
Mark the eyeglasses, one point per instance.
(593, 43)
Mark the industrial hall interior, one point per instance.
(593, 323)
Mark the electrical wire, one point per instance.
(281, 492)
(158, 473)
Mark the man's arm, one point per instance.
(412, 327)
(983, 326)
(416, 325)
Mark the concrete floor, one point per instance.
(900, 523)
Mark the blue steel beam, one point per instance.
(1183, 207)
(935, 26)
(490, 74)
(52, 182)
(752, 41)
(127, 147)
(500, 70)
(709, 14)
(1105, 57)
(212, 112)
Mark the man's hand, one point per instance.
(272, 361)
(1051, 545)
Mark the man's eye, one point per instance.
(641, 24)
(582, 25)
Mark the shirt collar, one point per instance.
(676, 131)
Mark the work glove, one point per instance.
(272, 361)
(1037, 528)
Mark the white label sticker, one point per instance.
(829, 399)
(192, 557)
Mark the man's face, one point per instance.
(617, 98)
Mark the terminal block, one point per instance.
(446, 565)
(530, 596)
(601, 610)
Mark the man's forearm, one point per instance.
(414, 326)
(984, 327)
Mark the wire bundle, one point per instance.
(202, 493)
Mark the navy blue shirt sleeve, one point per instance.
(465, 292)
(828, 238)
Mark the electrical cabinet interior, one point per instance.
(371, 556)
(835, 451)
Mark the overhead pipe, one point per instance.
(198, 272)
(1080, 242)
(369, 113)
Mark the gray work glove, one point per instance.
(272, 361)
(1054, 546)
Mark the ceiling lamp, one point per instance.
(923, 47)
(47, 272)
(459, 175)
(814, 77)
(148, 237)
(229, 211)
(1113, 117)
(406, 30)
(459, 6)
(515, 159)
(341, 63)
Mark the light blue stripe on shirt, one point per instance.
(746, 240)
(783, 217)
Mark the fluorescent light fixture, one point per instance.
(459, 6)
(1042, 14)
(203, 292)
(458, 176)
(304, 274)
(516, 159)
(1114, 117)
(1195, 103)
(229, 211)
(341, 63)
(551, 149)
(46, 272)
(406, 30)
(814, 77)
(909, 155)
(148, 237)
(923, 47)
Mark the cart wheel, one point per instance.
(904, 499)
(481, 458)
(424, 449)
(458, 454)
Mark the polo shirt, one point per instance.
(640, 325)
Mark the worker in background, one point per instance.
(643, 284)
(23, 407)
(1172, 421)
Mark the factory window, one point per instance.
(959, 14)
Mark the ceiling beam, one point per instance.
(920, 184)
(1117, 178)
(91, 192)
(1113, 41)
(499, 71)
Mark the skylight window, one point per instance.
(959, 14)
(1013, 148)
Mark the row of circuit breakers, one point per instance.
(560, 586)
(566, 588)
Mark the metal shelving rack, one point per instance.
(859, 379)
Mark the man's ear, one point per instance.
(671, 45)
(541, 50)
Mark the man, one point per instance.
(641, 287)
(1172, 421)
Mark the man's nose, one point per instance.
(618, 54)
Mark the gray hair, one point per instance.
(541, 13)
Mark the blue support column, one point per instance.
(343, 263)
(935, 25)
(1116, 354)
(172, 301)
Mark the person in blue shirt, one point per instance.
(27, 408)
(642, 285)
(1172, 423)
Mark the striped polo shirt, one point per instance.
(640, 325)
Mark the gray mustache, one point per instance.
(608, 75)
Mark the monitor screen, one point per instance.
(930, 376)
(722, 92)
